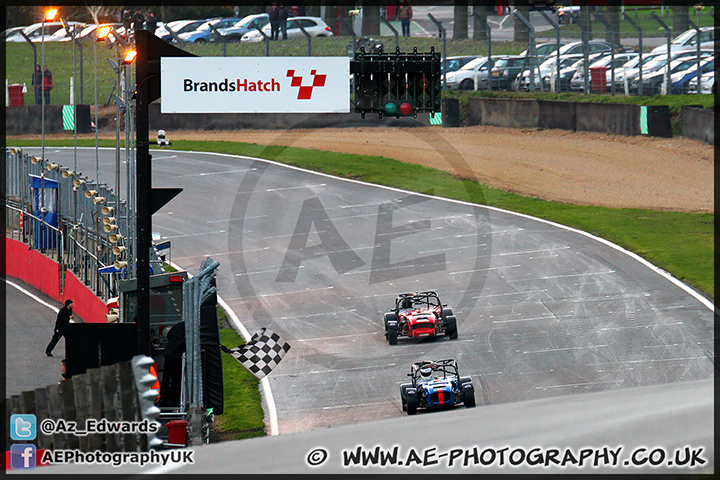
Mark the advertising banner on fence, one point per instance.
(255, 85)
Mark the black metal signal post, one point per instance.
(397, 84)
(150, 49)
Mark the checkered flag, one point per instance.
(261, 354)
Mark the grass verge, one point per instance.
(680, 243)
(243, 416)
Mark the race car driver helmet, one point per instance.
(406, 303)
(426, 372)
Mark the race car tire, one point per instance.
(451, 327)
(392, 335)
(403, 395)
(469, 398)
(389, 317)
(412, 405)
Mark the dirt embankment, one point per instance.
(573, 167)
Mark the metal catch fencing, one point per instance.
(80, 224)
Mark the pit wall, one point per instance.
(39, 271)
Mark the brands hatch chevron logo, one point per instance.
(305, 91)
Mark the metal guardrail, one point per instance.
(76, 222)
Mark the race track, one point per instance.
(543, 311)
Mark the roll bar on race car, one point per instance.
(420, 298)
(446, 366)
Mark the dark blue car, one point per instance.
(436, 385)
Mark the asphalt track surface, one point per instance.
(543, 311)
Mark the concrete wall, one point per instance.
(698, 123)
(613, 118)
(560, 115)
(34, 268)
(28, 119)
(274, 121)
(504, 112)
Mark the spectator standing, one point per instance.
(151, 23)
(283, 14)
(61, 326)
(138, 20)
(405, 14)
(274, 22)
(47, 84)
(127, 22)
(37, 80)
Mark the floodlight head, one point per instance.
(107, 210)
(67, 173)
(108, 220)
(36, 159)
(129, 57)
(15, 150)
(118, 250)
(90, 193)
(78, 181)
(102, 33)
(109, 227)
(51, 14)
(97, 200)
(114, 65)
(51, 166)
(115, 237)
(119, 264)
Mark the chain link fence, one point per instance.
(79, 223)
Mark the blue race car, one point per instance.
(436, 384)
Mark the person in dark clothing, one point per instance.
(283, 14)
(274, 22)
(61, 326)
(127, 21)
(151, 23)
(138, 21)
(47, 84)
(37, 79)
(172, 371)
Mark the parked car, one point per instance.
(679, 81)
(544, 50)
(688, 40)
(652, 84)
(35, 32)
(315, 26)
(594, 46)
(178, 27)
(658, 63)
(707, 84)
(435, 385)
(604, 61)
(419, 315)
(247, 24)
(568, 15)
(11, 32)
(472, 76)
(453, 64)
(544, 70)
(203, 33)
(504, 71)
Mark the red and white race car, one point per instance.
(419, 315)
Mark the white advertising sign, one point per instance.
(255, 84)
